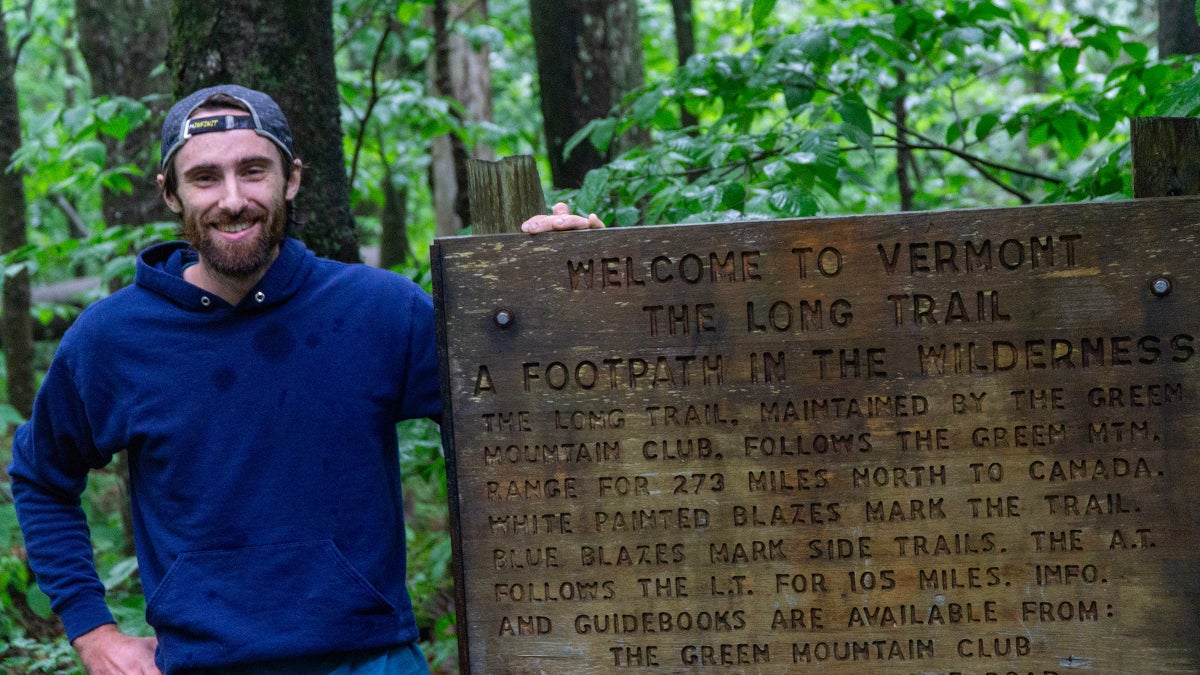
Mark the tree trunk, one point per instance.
(393, 224)
(16, 325)
(904, 155)
(1165, 153)
(286, 50)
(122, 41)
(589, 55)
(1178, 30)
(685, 45)
(505, 193)
(462, 73)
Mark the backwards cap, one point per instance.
(265, 118)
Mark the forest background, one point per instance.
(643, 111)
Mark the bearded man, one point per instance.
(256, 389)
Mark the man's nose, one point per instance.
(232, 199)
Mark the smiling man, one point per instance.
(231, 189)
(256, 389)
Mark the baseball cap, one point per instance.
(264, 117)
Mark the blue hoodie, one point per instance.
(262, 449)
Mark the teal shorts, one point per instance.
(402, 660)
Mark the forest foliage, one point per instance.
(801, 108)
(983, 103)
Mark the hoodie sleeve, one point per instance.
(422, 380)
(52, 454)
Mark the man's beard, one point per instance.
(239, 259)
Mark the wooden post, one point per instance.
(1166, 156)
(503, 194)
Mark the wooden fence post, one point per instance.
(503, 194)
(1166, 156)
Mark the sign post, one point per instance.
(959, 441)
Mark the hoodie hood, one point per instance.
(160, 270)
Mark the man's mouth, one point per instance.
(233, 228)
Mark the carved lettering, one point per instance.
(740, 654)
(690, 268)
(982, 255)
(863, 650)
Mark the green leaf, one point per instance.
(117, 127)
(76, 119)
(858, 137)
(646, 105)
(1068, 133)
(120, 572)
(9, 415)
(733, 195)
(985, 124)
(38, 601)
(792, 203)
(626, 216)
(591, 194)
(1107, 41)
(855, 113)
(89, 152)
(982, 10)
(1068, 63)
(801, 158)
(13, 269)
(666, 118)
(1137, 50)
(1039, 134)
(761, 12)
(599, 132)
(814, 42)
(795, 96)
(117, 183)
(1156, 77)
(776, 170)
(486, 35)
(953, 133)
(967, 35)
(903, 23)
(106, 109)
(1183, 99)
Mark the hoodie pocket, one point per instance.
(242, 605)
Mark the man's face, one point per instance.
(232, 194)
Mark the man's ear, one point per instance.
(172, 201)
(293, 180)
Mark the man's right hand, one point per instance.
(561, 218)
(107, 651)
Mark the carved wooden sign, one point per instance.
(954, 442)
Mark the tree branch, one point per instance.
(976, 159)
(24, 39)
(979, 166)
(904, 156)
(367, 15)
(371, 102)
(927, 143)
(78, 227)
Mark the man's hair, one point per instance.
(221, 101)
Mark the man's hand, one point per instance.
(107, 651)
(561, 219)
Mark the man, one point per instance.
(256, 389)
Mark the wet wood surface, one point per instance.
(934, 442)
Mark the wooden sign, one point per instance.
(955, 442)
